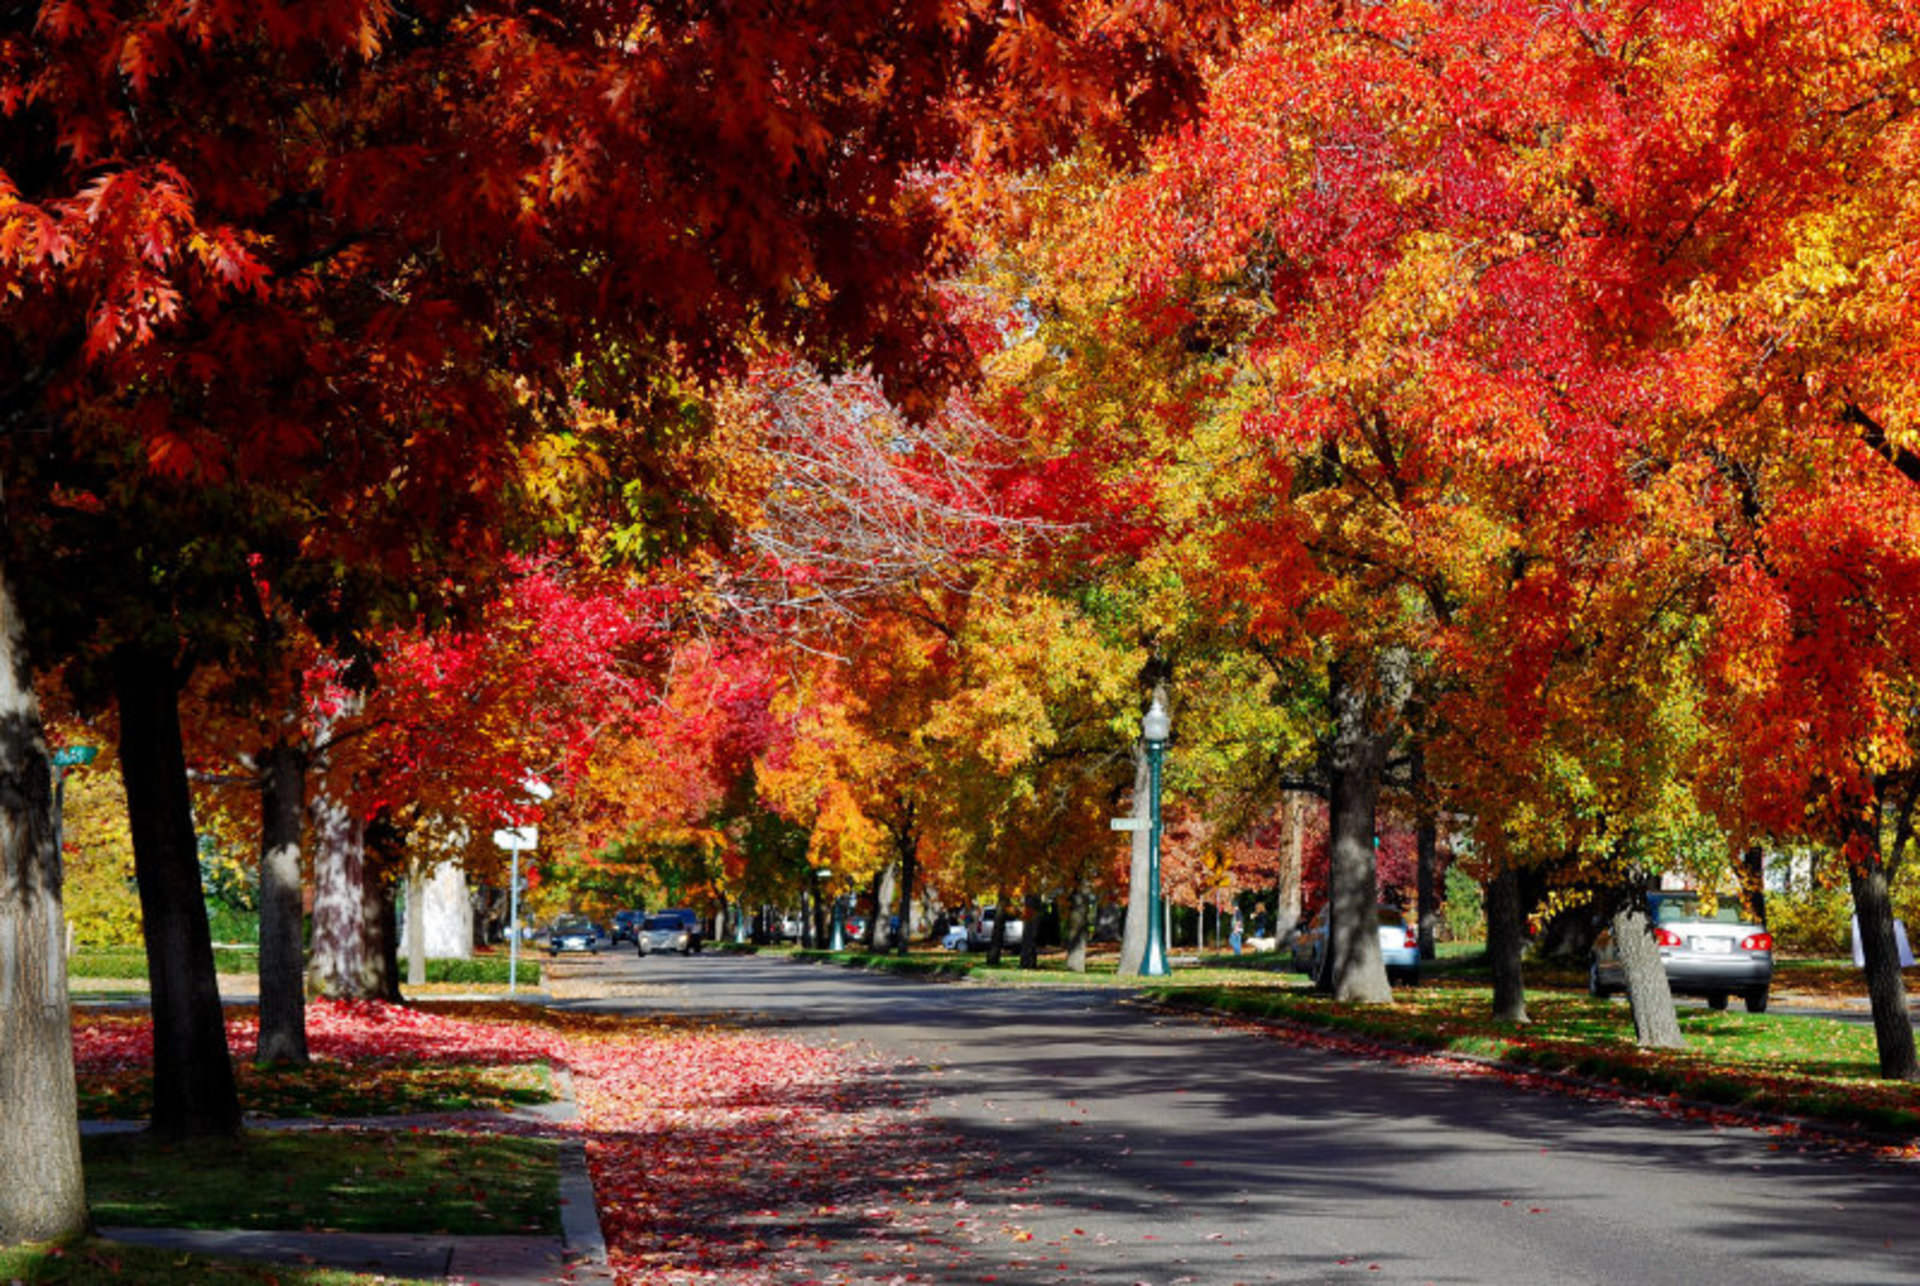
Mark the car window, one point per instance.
(1674, 910)
(571, 924)
(1392, 918)
(662, 922)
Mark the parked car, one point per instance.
(854, 931)
(668, 931)
(956, 939)
(1716, 955)
(626, 925)
(1399, 946)
(573, 933)
(980, 935)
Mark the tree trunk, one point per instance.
(416, 925)
(1656, 1024)
(1506, 945)
(997, 940)
(1133, 934)
(194, 1095)
(345, 962)
(1358, 974)
(42, 1196)
(1030, 933)
(283, 985)
(877, 895)
(1752, 873)
(909, 876)
(1426, 844)
(1080, 913)
(1886, 990)
(1286, 893)
(384, 906)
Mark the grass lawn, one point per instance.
(87, 1262)
(342, 1181)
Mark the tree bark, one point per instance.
(1426, 844)
(997, 940)
(1080, 913)
(909, 876)
(42, 1196)
(1286, 893)
(1886, 990)
(1030, 932)
(1133, 933)
(1506, 946)
(1752, 873)
(1358, 973)
(416, 925)
(345, 963)
(283, 985)
(194, 1094)
(1656, 1024)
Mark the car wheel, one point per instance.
(1757, 1001)
(1717, 1000)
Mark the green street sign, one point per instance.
(74, 756)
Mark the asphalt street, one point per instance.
(1162, 1148)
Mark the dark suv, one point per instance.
(626, 925)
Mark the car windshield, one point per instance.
(1392, 918)
(572, 924)
(662, 922)
(1674, 910)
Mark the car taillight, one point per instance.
(1666, 938)
(1413, 940)
(1757, 942)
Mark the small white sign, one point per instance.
(522, 837)
(1131, 824)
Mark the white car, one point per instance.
(980, 936)
(1399, 946)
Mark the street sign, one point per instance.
(517, 837)
(74, 756)
(1130, 824)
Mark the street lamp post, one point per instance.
(1155, 730)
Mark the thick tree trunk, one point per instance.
(909, 876)
(1133, 933)
(416, 925)
(1080, 913)
(1656, 1024)
(384, 906)
(1030, 932)
(1358, 974)
(283, 983)
(1426, 845)
(194, 1094)
(1506, 945)
(42, 1196)
(997, 940)
(345, 962)
(1886, 990)
(1752, 872)
(877, 895)
(1287, 889)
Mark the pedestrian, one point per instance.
(1239, 932)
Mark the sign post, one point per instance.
(514, 839)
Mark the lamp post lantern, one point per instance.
(1155, 730)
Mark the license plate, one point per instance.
(1713, 946)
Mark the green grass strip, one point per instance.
(343, 1181)
(90, 1261)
